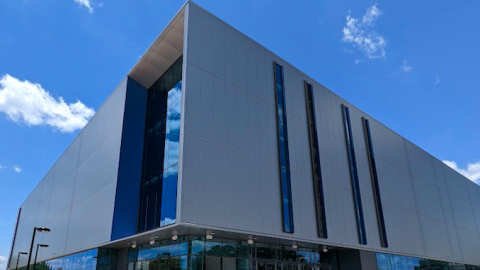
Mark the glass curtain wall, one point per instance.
(396, 262)
(197, 253)
(94, 259)
(160, 161)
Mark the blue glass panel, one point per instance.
(169, 196)
(159, 183)
(316, 167)
(130, 165)
(86, 260)
(174, 135)
(354, 177)
(287, 209)
(198, 246)
(396, 262)
(375, 185)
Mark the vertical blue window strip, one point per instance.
(376, 188)
(357, 199)
(287, 207)
(316, 168)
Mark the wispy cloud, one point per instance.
(437, 80)
(27, 102)
(17, 169)
(85, 3)
(405, 67)
(472, 171)
(362, 35)
(1, 167)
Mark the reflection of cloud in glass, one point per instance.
(174, 95)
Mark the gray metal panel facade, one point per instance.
(230, 158)
(75, 199)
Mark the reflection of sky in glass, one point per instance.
(162, 150)
(169, 196)
(167, 251)
(396, 262)
(283, 150)
(80, 261)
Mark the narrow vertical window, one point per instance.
(283, 156)
(315, 157)
(376, 188)
(357, 199)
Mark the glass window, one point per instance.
(243, 249)
(376, 187)
(283, 150)
(214, 248)
(198, 245)
(315, 157)
(162, 135)
(169, 196)
(396, 262)
(354, 177)
(212, 263)
(86, 260)
(266, 252)
(196, 262)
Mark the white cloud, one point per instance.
(3, 262)
(437, 80)
(362, 35)
(27, 102)
(405, 67)
(472, 171)
(17, 169)
(85, 3)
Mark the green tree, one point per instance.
(432, 265)
(165, 264)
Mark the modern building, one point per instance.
(216, 154)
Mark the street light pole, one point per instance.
(36, 254)
(18, 258)
(35, 229)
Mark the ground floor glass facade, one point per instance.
(197, 253)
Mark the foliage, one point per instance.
(165, 264)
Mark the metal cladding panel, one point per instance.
(131, 161)
(436, 238)
(428, 199)
(75, 198)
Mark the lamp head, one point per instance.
(23, 253)
(43, 245)
(43, 229)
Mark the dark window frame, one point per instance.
(375, 185)
(357, 197)
(283, 155)
(315, 158)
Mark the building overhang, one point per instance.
(164, 51)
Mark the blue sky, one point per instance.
(413, 65)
